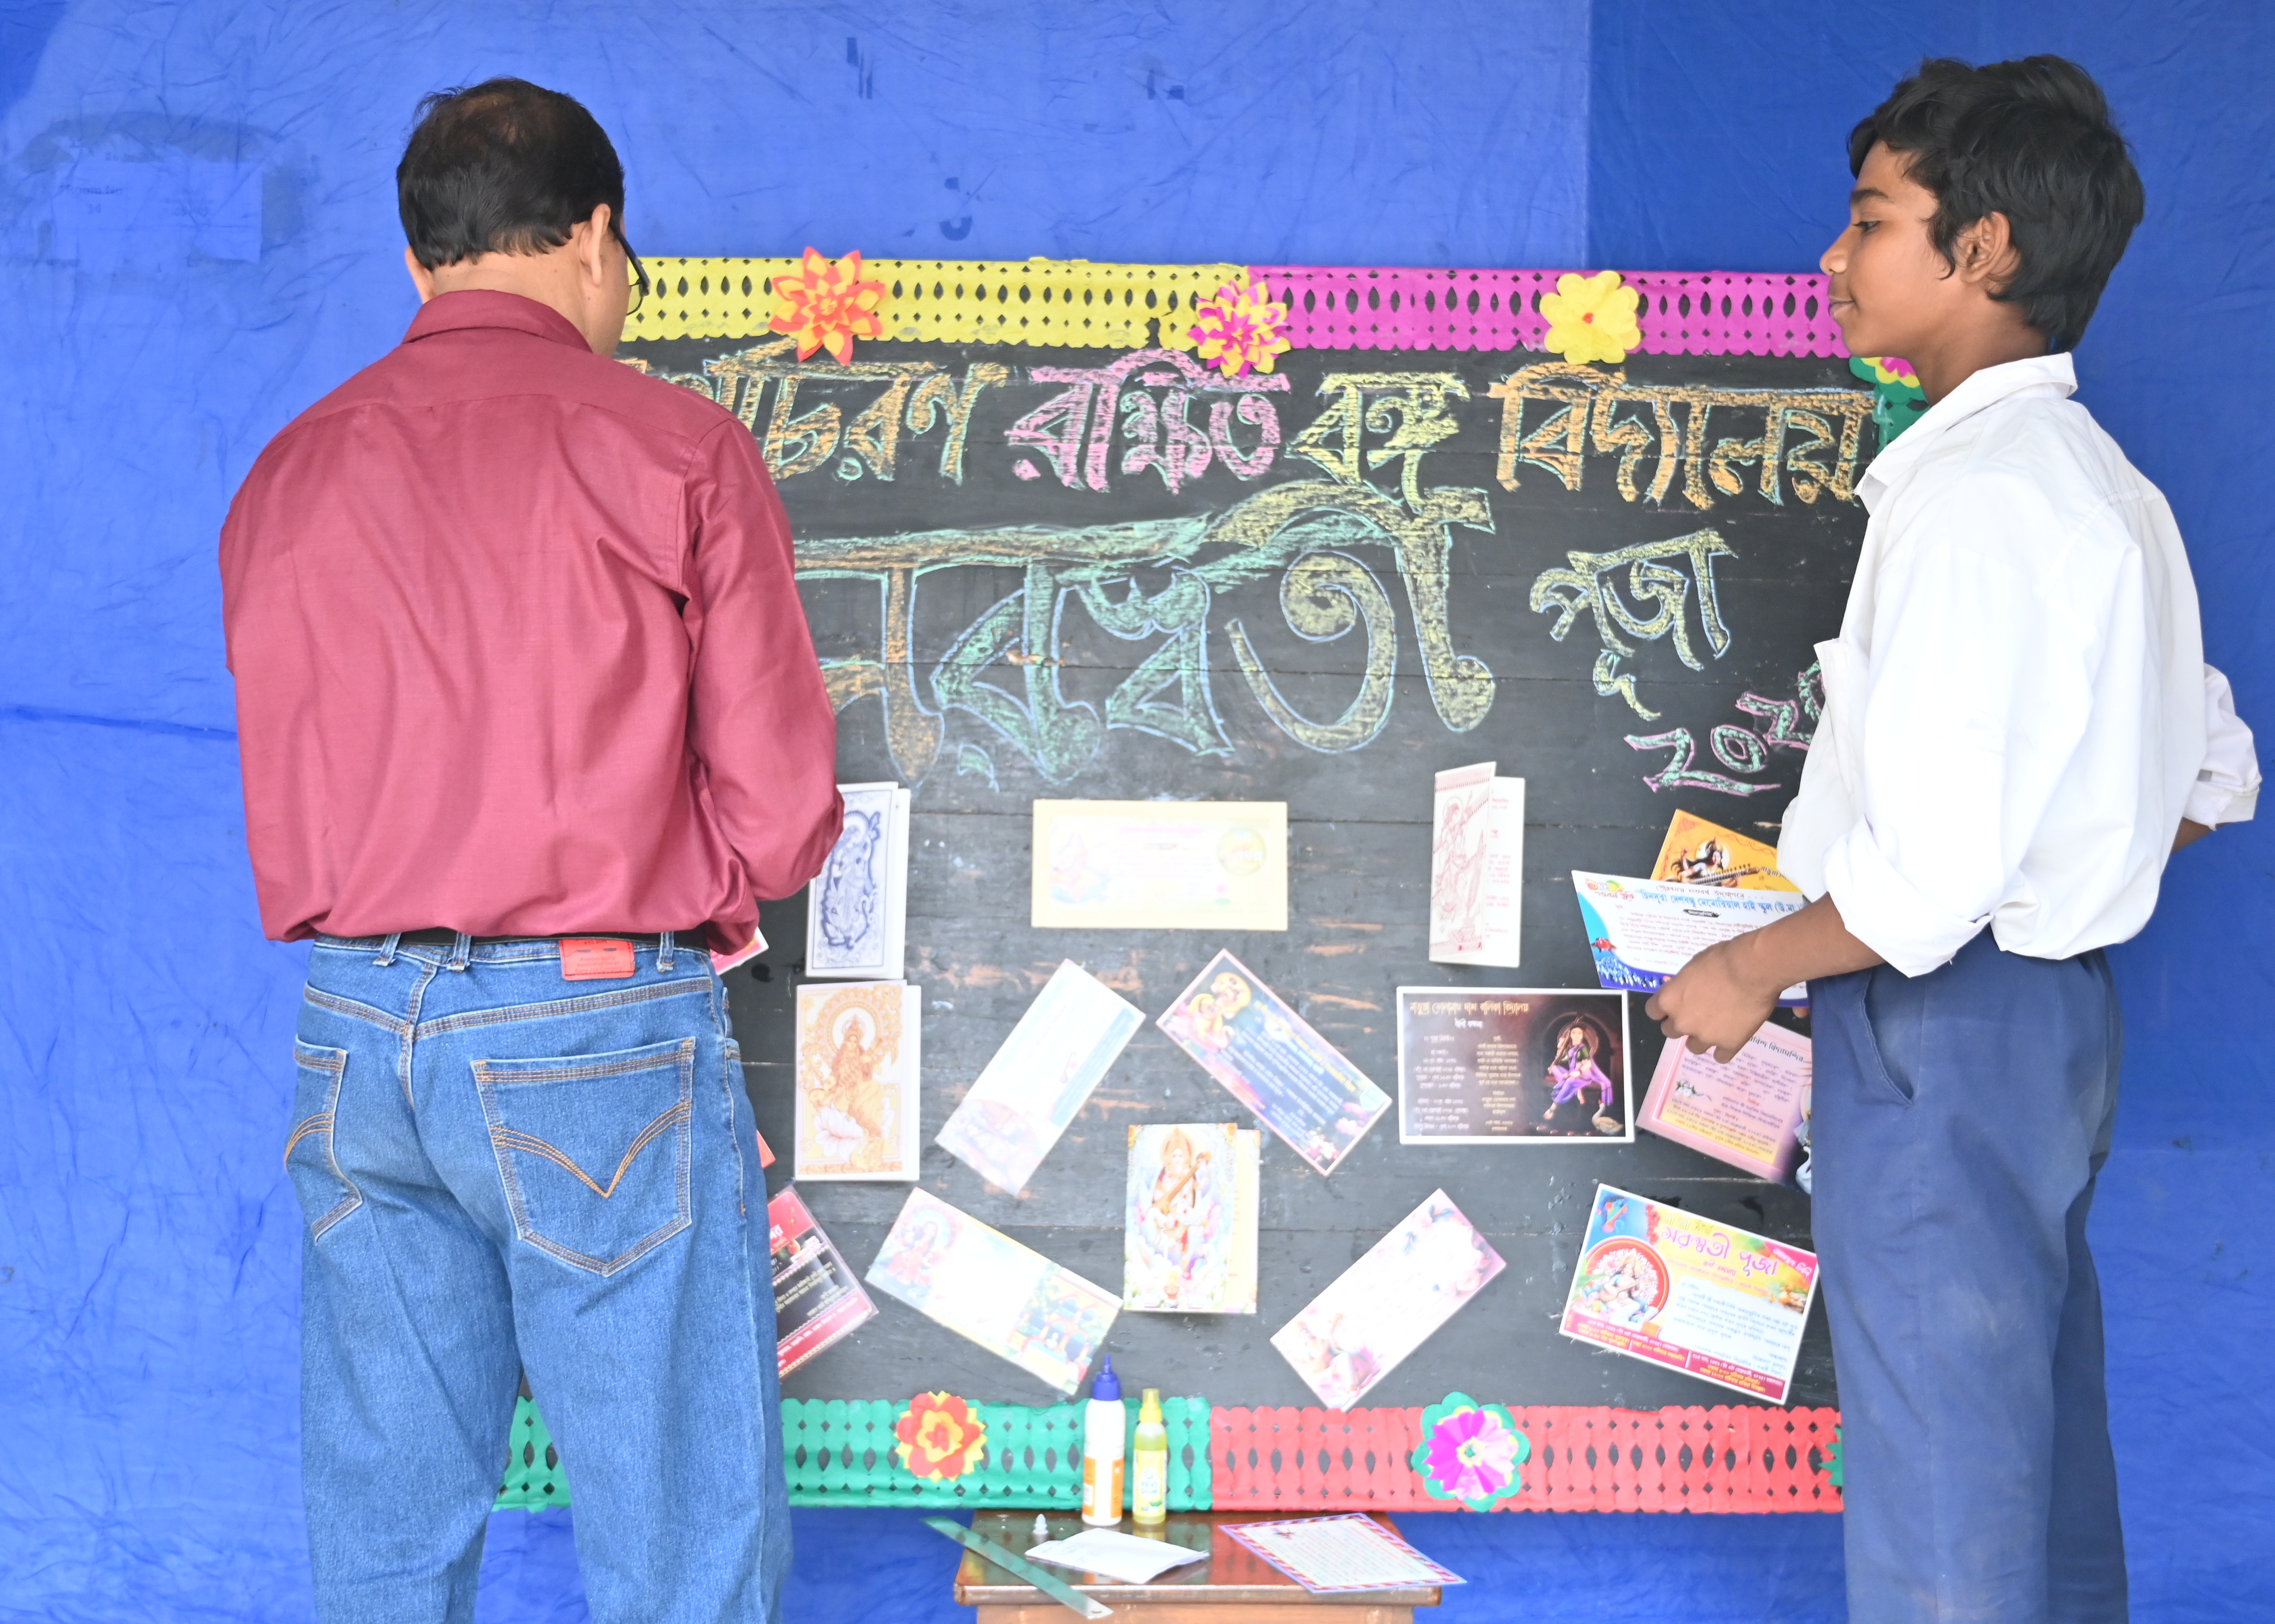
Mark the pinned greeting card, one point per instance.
(857, 1066)
(1189, 1244)
(1476, 867)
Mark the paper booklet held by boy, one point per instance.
(1387, 1304)
(1476, 867)
(1747, 1114)
(859, 1061)
(982, 1284)
(1024, 1097)
(1699, 853)
(1189, 1240)
(818, 1300)
(1268, 1058)
(1641, 932)
(857, 908)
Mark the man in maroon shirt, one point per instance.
(530, 719)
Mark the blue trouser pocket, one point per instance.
(594, 1149)
(326, 1194)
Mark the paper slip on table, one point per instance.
(1234, 1586)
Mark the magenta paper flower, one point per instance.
(1470, 1452)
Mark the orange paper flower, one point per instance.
(940, 1438)
(828, 306)
(1238, 327)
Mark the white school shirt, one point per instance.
(2017, 710)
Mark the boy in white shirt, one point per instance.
(2019, 729)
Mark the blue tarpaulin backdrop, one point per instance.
(198, 238)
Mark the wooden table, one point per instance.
(1234, 1586)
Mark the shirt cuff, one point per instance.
(2214, 802)
(1886, 912)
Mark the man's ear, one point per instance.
(421, 278)
(591, 238)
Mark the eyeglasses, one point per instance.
(639, 277)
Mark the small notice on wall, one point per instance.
(1161, 865)
(1668, 1286)
(1387, 1304)
(857, 908)
(818, 1300)
(857, 1065)
(1476, 867)
(1748, 1113)
(1512, 1066)
(982, 1284)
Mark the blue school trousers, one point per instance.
(1960, 1118)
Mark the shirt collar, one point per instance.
(2041, 375)
(450, 312)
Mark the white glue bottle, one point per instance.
(1105, 1426)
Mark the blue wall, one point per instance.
(197, 238)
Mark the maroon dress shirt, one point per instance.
(519, 650)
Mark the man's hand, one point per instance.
(2190, 833)
(1721, 997)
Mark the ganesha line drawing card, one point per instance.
(857, 908)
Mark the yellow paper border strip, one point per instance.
(945, 301)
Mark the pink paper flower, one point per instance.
(1470, 1452)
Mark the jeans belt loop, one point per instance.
(664, 944)
(387, 948)
(459, 949)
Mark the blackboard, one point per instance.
(1046, 571)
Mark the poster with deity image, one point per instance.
(1190, 1231)
(858, 1071)
(857, 908)
(1493, 1065)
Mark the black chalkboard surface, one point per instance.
(1044, 572)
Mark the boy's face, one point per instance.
(1892, 293)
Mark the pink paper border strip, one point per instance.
(1682, 313)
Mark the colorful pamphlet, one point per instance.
(1643, 931)
(1161, 865)
(818, 1302)
(857, 1066)
(1699, 853)
(1074, 1030)
(1189, 1244)
(1748, 1113)
(982, 1284)
(722, 962)
(1668, 1286)
(1387, 1304)
(1330, 1555)
(1493, 1065)
(1268, 1056)
(857, 908)
(1476, 867)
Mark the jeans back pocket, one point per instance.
(311, 1156)
(594, 1149)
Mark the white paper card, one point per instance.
(1476, 867)
(1112, 1555)
(857, 908)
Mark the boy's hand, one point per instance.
(1721, 997)
(1713, 1002)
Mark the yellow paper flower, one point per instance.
(1891, 369)
(1590, 318)
(1238, 327)
(940, 1436)
(828, 306)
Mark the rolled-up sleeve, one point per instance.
(2226, 789)
(760, 721)
(1982, 685)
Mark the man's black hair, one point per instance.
(2029, 140)
(503, 167)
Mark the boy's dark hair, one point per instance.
(503, 167)
(2029, 140)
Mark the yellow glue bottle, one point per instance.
(1102, 1438)
(1149, 1464)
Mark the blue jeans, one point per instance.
(503, 1171)
(1960, 1119)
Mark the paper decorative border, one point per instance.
(1044, 301)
